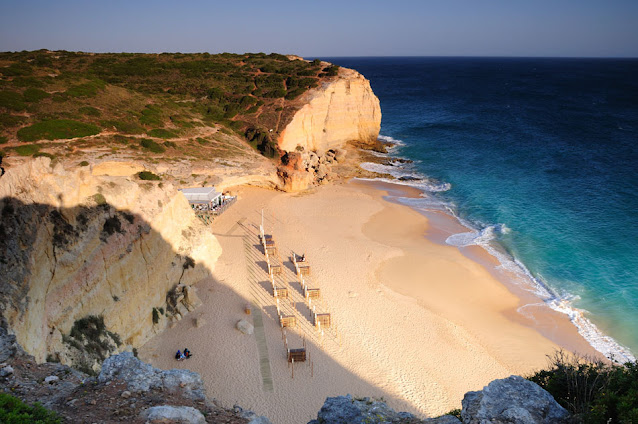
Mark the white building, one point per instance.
(202, 196)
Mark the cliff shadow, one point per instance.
(253, 370)
(78, 284)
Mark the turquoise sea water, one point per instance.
(539, 158)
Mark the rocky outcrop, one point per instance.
(142, 377)
(342, 110)
(346, 410)
(165, 414)
(512, 400)
(301, 169)
(127, 390)
(95, 257)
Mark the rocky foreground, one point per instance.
(129, 390)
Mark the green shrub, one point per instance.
(17, 69)
(331, 71)
(44, 154)
(99, 199)
(3, 139)
(597, 392)
(88, 89)
(12, 100)
(28, 82)
(148, 176)
(170, 144)
(34, 95)
(59, 97)
(293, 94)
(162, 133)
(84, 163)
(56, 129)
(89, 111)
(14, 411)
(149, 144)
(27, 149)
(151, 116)
(202, 141)
(90, 333)
(7, 120)
(260, 140)
(124, 127)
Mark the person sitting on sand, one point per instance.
(179, 355)
(187, 353)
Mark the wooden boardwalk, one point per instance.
(258, 324)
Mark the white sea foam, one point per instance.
(559, 302)
(487, 236)
(389, 139)
(404, 174)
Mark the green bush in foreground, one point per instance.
(56, 129)
(14, 411)
(3, 139)
(148, 176)
(595, 391)
(149, 144)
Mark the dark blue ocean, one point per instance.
(539, 158)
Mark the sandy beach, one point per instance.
(416, 322)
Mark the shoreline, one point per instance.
(421, 346)
(552, 324)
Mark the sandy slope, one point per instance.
(419, 323)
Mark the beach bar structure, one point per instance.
(301, 265)
(203, 196)
(322, 320)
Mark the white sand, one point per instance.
(419, 323)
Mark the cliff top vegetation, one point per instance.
(115, 99)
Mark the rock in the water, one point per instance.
(245, 327)
(173, 414)
(346, 410)
(141, 377)
(512, 400)
(51, 379)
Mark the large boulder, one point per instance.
(166, 414)
(142, 377)
(346, 410)
(444, 419)
(512, 400)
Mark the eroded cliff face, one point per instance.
(76, 245)
(343, 110)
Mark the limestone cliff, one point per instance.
(77, 245)
(339, 111)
